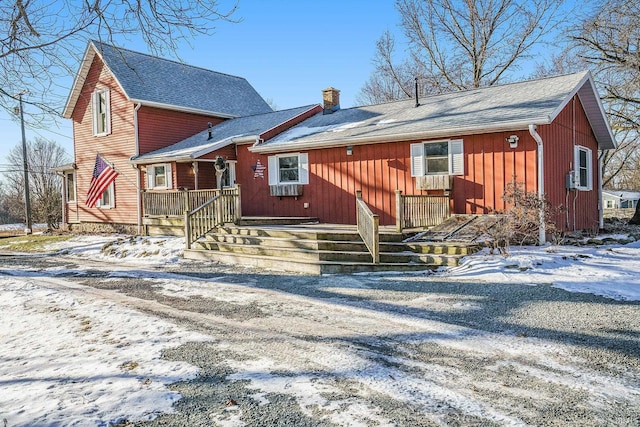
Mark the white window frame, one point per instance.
(108, 202)
(303, 169)
(455, 153)
(97, 113)
(151, 177)
(587, 184)
(66, 186)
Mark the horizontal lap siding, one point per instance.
(115, 148)
(184, 176)
(158, 128)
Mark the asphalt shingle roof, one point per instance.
(147, 78)
(222, 135)
(509, 106)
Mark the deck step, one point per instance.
(293, 253)
(321, 249)
(302, 266)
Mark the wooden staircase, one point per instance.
(321, 249)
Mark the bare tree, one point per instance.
(42, 40)
(608, 42)
(458, 44)
(7, 214)
(44, 186)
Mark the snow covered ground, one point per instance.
(71, 359)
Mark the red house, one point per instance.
(310, 161)
(125, 104)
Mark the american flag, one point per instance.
(258, 170)
(103, 176)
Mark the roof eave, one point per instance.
(78, 81)
(183, 109)
(194, 155)
(597, 119)
(407, 136)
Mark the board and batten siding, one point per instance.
(379, 169)
(115, 148)
(570, 128)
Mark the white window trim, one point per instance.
(95, 96)
(455, 153)
(576, 163)
(111, 203)
(303, 169)
(151, 177)
(66, 187)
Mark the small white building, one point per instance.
(613, 199)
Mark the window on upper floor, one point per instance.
(101, 112)
(583, 168)
(437, 158)
(289, 169)
(159, 176)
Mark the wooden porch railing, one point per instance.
(223, 208)
(173, 203)
(368, 224)
(420, 210)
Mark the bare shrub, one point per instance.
(520, 224)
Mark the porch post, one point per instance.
(194, 165)
(187, 230)
(187, 201)
(358, 197)
(399, 211)
(238, 213)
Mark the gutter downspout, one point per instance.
(542, 229)
(600, 201)
(138, 183)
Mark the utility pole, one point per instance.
(25, 165)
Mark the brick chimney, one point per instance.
(331, 100)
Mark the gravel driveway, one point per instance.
(393, 349)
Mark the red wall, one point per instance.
(115, 148)
(379, 169)
(559, 139)
(157, 128)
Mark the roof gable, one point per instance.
(497, 108)
(169, 84)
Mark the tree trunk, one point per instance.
(635, 219)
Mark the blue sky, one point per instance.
(288, 50)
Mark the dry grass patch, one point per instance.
(32, 243)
